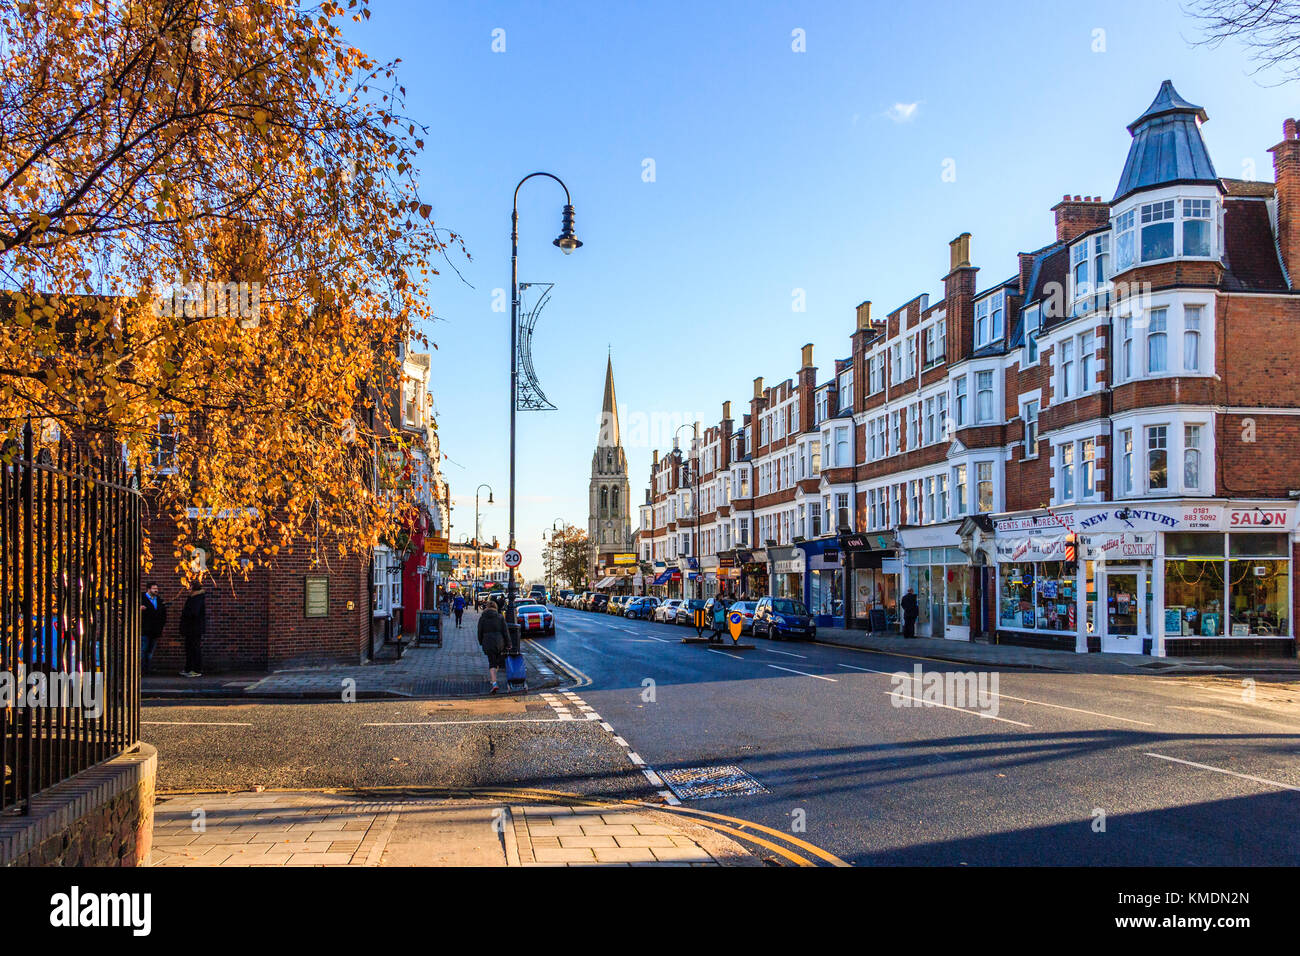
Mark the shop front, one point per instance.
(728, 574)
(787, 573)
(874, 566)
(753, 574)
(1170, 578)
(824, 581)
(939, 572)
(709, 574)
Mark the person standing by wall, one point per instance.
(153, 616)
(194, 622)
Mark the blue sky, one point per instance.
(774, 171)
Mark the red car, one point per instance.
(535, 619)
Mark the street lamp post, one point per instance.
(566, 242)
(563, 528)
(695, 502)
(478, 557)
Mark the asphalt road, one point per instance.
(1068, 769)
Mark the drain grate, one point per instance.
(702, 783)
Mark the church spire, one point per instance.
(609, 410)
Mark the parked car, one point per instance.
(537, 593)
(612, 605)
(686, 611)
(666, 612)
(535, 619)
(597, 602)
(641, 608)
(746, 611)
(782, 619)
(621, 607)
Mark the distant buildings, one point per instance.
(1098, 451)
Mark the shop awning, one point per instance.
(605, 583)
(663, 578)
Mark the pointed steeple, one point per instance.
(1167, 146)
(609, 411)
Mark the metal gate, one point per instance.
(70, 551)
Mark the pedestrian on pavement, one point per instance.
(911, 610)
(153, 615)
(459, 607)
(493, 638)
(194, 622)
(719, 617)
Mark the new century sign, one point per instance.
(1122, 517)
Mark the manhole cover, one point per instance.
(701, 783)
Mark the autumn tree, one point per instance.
(567, 554)
(211, 223)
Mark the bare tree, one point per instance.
(1269, 30)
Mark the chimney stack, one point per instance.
(1026, 267)
(864, 315)
(656, 457)
(959, 252)
(807, 356)
(1079, 214)
(726, 411)
(1286, 173)
(758, 387)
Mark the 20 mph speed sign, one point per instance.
(512, 558)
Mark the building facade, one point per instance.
(1097, 450)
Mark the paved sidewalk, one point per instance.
(337, 829)
(456, 669)
(1007, 655)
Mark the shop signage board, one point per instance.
(1125, 545)
(1138, 517)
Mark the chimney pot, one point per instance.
(807, 356)
(1288, 129)
(726, 411)
(959, 252)
(864, 314)
(758, 387)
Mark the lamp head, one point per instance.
(567, 241)
(490, 501)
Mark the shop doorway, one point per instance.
(1126, 623)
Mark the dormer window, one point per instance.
(1089, 272)
(1196, 227)
(1158, 230)
(988, 319)
(1180, 227)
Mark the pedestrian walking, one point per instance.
(194, 622)
(719, 617)
(911, 610)
(153, 617)
(459, 607)
(493, 637)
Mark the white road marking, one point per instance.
(660, 640)
(670, 798)
(636, 759)
(772, 650)
(607, 726)
(1041, 703)
(654, 778)
(192, 723)
(734, 657)
(620, 741)
(960, 710)
(1230, 773)
(452, 723)
(803, 673)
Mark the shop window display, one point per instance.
(1037, 596)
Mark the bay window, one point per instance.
(959, 403)
(959, 489)
(1067, 471)
(1157, 341)
(1157, 230)
(983, 397)
(1196, 227)
(1126, 461)
(1124, 235)
(1088, 468)
(1157, 458)
(1192, 457)
(1192, 338)
(984, 485)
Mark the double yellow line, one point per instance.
(791, 848)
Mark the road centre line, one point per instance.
(1230, 773)
(802, 673)
(734, 657)
(961, 710)
(1023, 700)
(192, 723)
(772, 650)
(452, 723)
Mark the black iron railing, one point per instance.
(70, 554)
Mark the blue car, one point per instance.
(783, 619)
